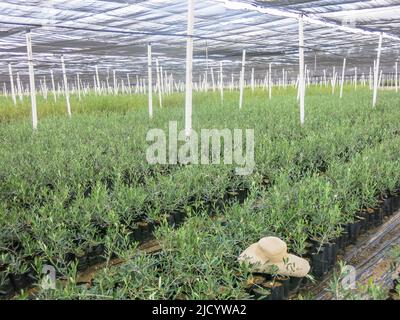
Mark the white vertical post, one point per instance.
(376, 74)
(137, 85)
(53, 85)
(301, 67)
(206, 72)
(31, 79)
(163, 79)
(12, 84)
(315, 61)
(150, 80)
(19, 88)
(108, 81)
(221, 82)
(242, 80)
(252, 79)
(129, 83)
(396, 79)
(270, 81)
(355, 78)
(370, 76)
(115, 83)
(189, 69)
(159, 83)
(343, 74)
(45, 88)
(333, 81)
(213, 80)
(66, 89)
(98, 80)
(78, 86)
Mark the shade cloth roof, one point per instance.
(114, 34)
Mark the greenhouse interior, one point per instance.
(199, 150)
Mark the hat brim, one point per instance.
(291, 265)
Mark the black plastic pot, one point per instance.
(320, 263)
(353, 231)
(257, 280)
(82, 263)
(219, 205)
(171, 220)
(332, 249)
(6, 288)
(363, 217)
(377, 217)
(285, 281)
(178, 217)
(19, 281)
(387, 209)
(30, 277)
(144, 231)
(395, 203)
(69, 257)
(276, 288)
(294, 284)
(137, 235)
(340, 242)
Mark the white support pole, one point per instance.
(370, 76)
(206, 72)
(12, 84)
(242, 80)
(94, 84)
(115, 83)
(108, 81)
(78, 86)
(301, 68)
(150, 80)
(221, 82)
(396, 79)
(376, 74)
(212, 79)
(159, 83)
(252, 79)
(19, 87)
(333, 81)
(137, 87)
(342, 80)
(53, 85)
(98, 80)
(45, 88)
(189, 69)
(355, 78)
(270, 81)
(129, 84)
(163, 79)
(66, 89)
(31, 79)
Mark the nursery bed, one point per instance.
(91, 202)
(369, 257)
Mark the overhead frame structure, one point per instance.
(114, 34)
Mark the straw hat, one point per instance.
(269, 255)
